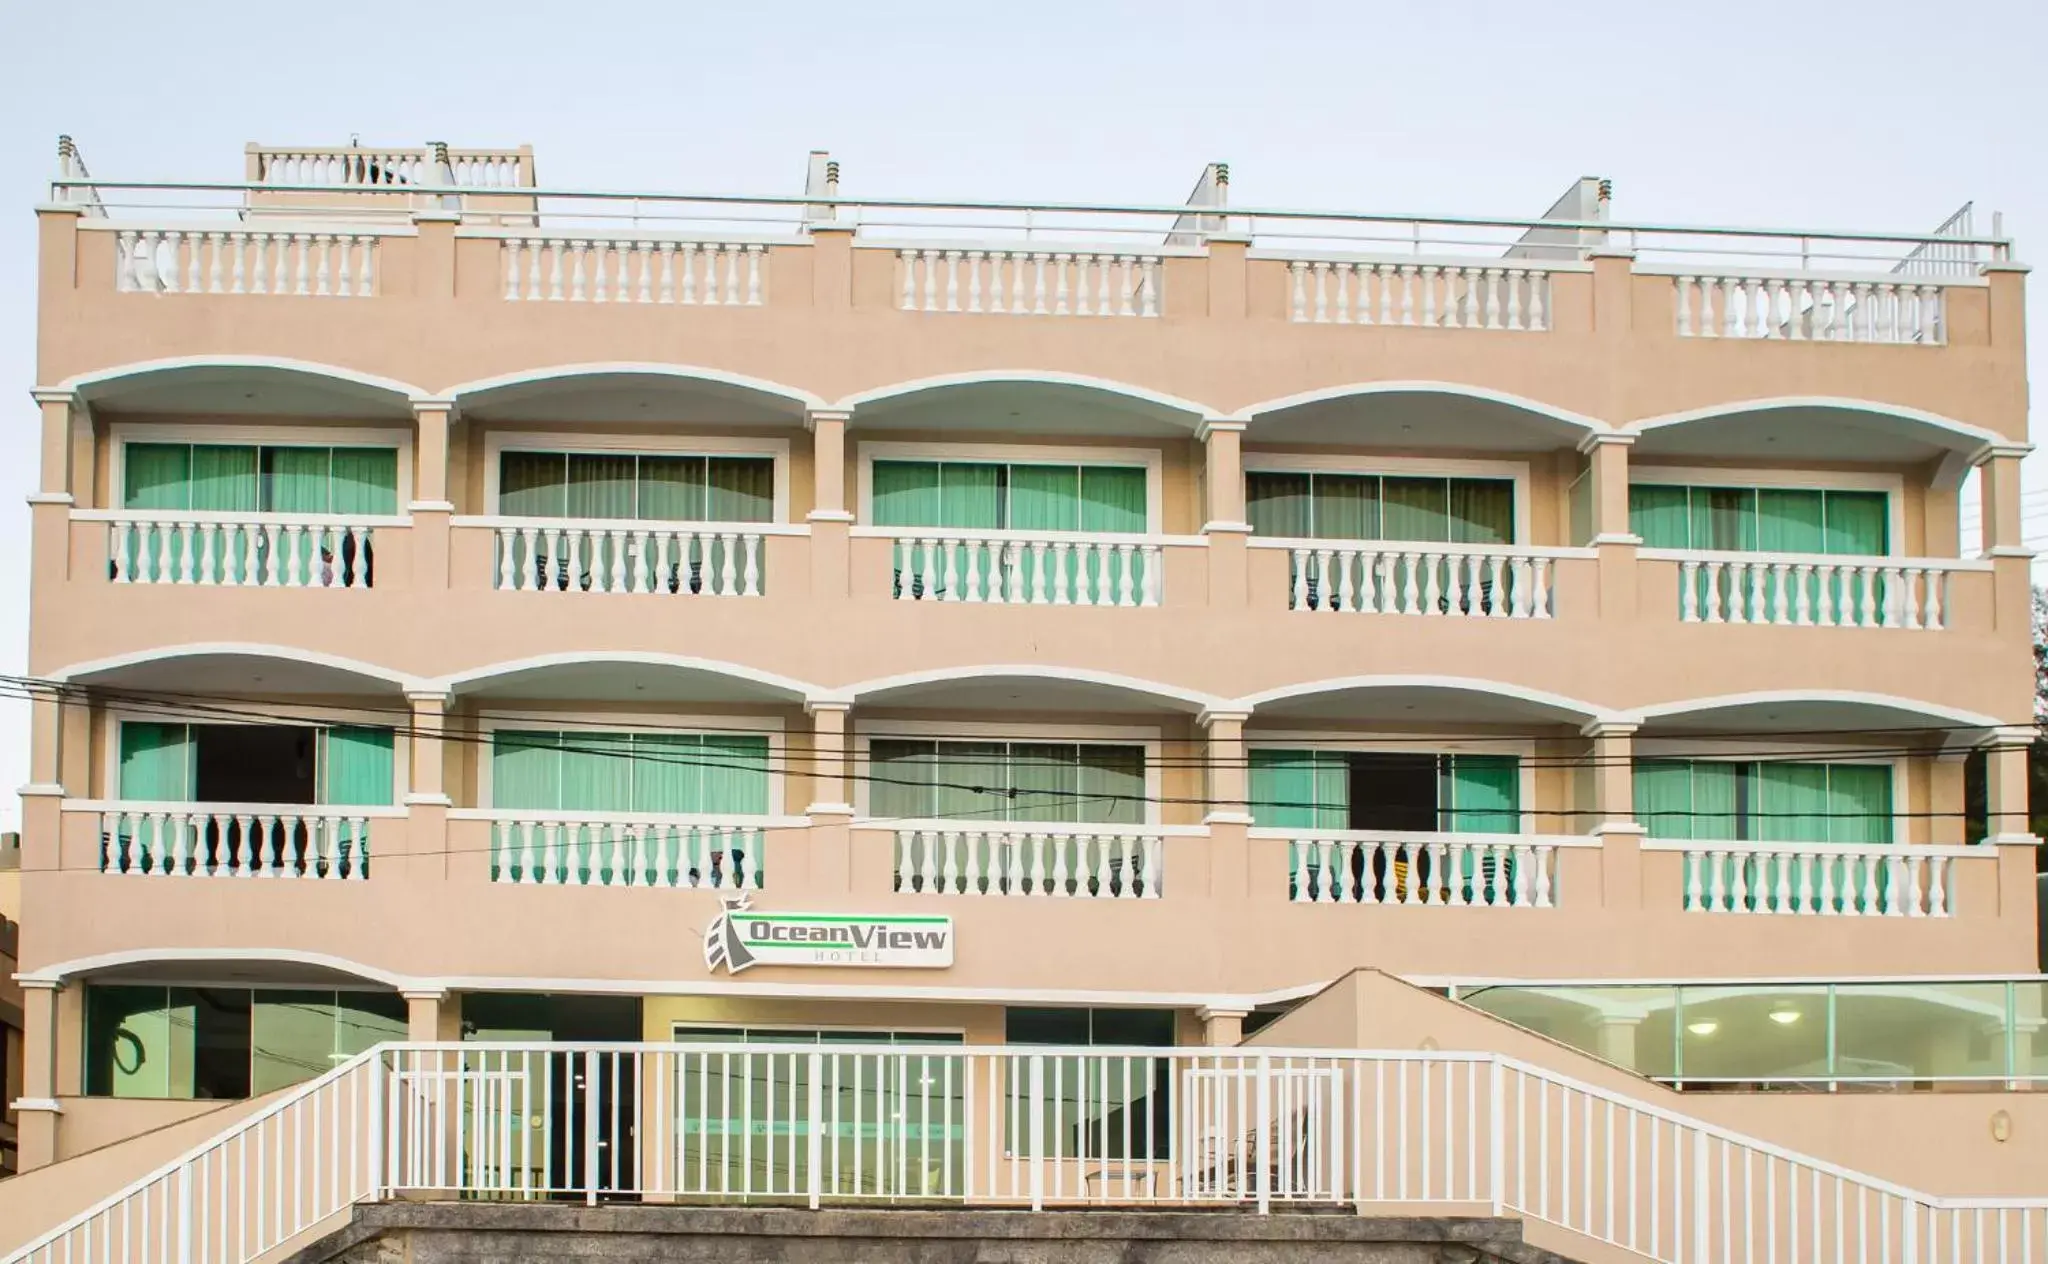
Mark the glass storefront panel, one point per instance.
(1748, 1034)
(2029, 1035)
(1920, 1031)
(1631, 1027)
(224, 1043)
(296, 1035)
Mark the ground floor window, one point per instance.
(1103, 1107)
(189, 1042)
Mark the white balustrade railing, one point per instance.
(1820, 879)
(1026, 282)
(314, 263)
(240, 550)
(1020, 568)
(1814, 590)
(1250, 1128)
(236, 840)
(608, 850)
(1396, 577)
(1796, 308)
(376, 168)
(1463, 870)
(1436, 295)
(1062, 861)
(634, 270)
(710, 559)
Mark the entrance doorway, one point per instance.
(590, 1148)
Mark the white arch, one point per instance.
(238, 649)
(1851, 697)
(636, 368)
(796, 689)
(1044, 377)
(1584, 711)
(310, 368)
(62, 970)
(1421, 387)
(1977, 435)
(1039, 671)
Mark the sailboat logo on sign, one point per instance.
(739, 939)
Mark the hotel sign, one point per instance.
(741, 938)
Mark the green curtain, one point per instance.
(1858, 523)
(1277, 504)
(906, 493)
(1045, 498)
(900, 779)
(740, 489)
(1660, 516)
(1714, 800)
(735, 774)
(1047, 781)
(971, 496)
(1485, 794)
(295, 480)
(533, 484)
(1415, 509)
(1482, 511)
(355, 765)
(1112, 786)
(1112, 499)
(1791, 803)
(224, 478)
(668, 773)
(1344, 507)
(1789, 521)
(1663, 798)
(970, 780)
(364, 481)
(1724, 519)
(526, 769)
(601, 486)
(1859, 803)
(1299, 789)
(597, 771)
(157, 476)
(158, 761)
(671, 489)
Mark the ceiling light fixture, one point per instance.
(1785, 1016)
(1704, 1027)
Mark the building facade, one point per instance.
(563, 614)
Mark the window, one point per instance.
(1765, 802)
(1332, 790)
(216, 1043)
(1760, 519)
(995, 496)
(660, 773)
(1111, 1108)
(1319, 506)
(254, 763)
(995, 781)
(644, 487)
(260, 478)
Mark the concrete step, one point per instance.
(540, 1233)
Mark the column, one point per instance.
(65, 456)
(1606, 523)
(1228, 815)
(830, 520)
(1609, 799)
(423, 1015)
(433, 853)
(2004, 539)
(1222, 1027)
(37, 1108)
(42, 799)
(832, 862)
(1224, 522)
(1615, 1039)
(2009, 825)
(430, 506)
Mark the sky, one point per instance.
(1850, 114)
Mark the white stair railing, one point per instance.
(1023, 1126)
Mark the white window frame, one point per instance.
(121, 434)
(1353, 743)
(676, 1027)
(1146, 738)
(1892, 485)
(1152, 459)
(401, 750)
(496, 442)
(1516, 472)
(1768, 752)
(771, 727)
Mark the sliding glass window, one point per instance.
(995, 781)
(1319, 506)
(636, 486)
(1760, 519)
(265, 478)
(652, 773)
(1010, 496)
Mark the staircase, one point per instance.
(1044, 1134)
